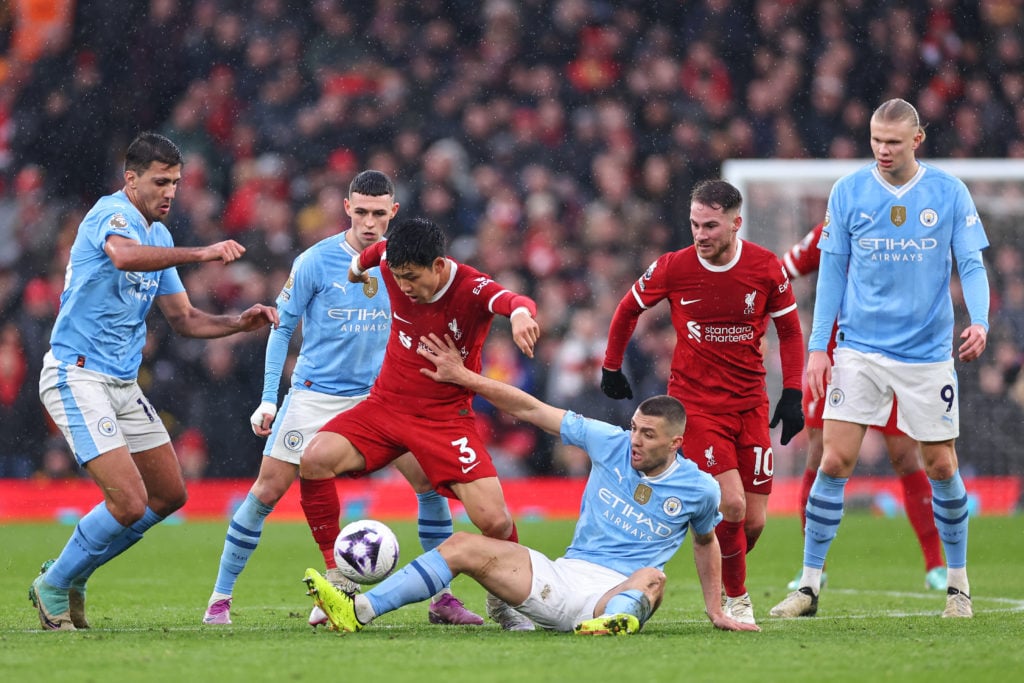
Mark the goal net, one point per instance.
(784, 199)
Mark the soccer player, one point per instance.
(802, 259)
(891, 232)
(345, 327)
(722, 291)
(640, 500)
(429, 293)
(122, 261)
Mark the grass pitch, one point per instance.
(875, 622)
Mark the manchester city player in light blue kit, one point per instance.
(122, 261)
(345, 329)
(891, 233)
(640, 499)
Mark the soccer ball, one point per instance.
(366, 551)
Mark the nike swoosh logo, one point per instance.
(466, 468)
(758, 482)
(684, 302)
(398, 317)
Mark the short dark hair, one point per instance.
(415, 242)
(667, 407)
(718, 194)
(373, 184)
(150, 147)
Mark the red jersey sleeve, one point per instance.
(804, 256)
(372, 255)
(636, 301)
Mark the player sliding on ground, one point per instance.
(640, 500)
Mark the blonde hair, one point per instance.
(898, 109)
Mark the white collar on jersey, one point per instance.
(900, 190)
(721, 269)
(451, 278)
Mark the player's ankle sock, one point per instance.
(89, 540)
(824, 512)
(632, 601)
(733, 542)
(917, 501)
(320, 504)
(949, 505)
(957, 578)
(806, 482)
(240, 541)
(418, 580)
(434, 519)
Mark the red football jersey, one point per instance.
(463, 309)
(720, 314)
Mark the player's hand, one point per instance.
(789, 410)
(444, 355)
(257, 316)
(615, 385)
(818, 374)
(726, 623)
(262, 418)
(975, 340)
(226, 251)
(525, 332)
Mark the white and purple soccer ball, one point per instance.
(366, 551)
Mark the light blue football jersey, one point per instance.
(345, 325)
(629, 520)
(101, 325)
(900, 242)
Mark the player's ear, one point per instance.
(438, 265)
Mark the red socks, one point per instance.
(733, 542)
(917, 500)
(320, 504)
(805, 493)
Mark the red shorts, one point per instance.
(449, 449)
(813, 410)
(732, 441)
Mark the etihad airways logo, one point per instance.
(623, 514)
(897, 249)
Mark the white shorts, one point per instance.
(863, 386)
(565, 592)
(98, 413)
(302, 415)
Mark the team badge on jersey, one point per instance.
(929, 218)
(642, 494)
(898, 215)
(370, 287)
(748, 303)
(672, 506)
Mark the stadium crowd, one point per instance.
(556, 140)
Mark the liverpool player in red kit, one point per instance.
(803, 258)
(722, 292)
(408, 411)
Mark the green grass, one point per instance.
(876, 622)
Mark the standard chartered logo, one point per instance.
(722, 334)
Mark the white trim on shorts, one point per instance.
(863, 386)
(565, 592)
(98, 413)
(302, 414)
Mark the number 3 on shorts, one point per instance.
(468, 457)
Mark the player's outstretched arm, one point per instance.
(449, 368)
(189, 321)
(127, 254)
(707, 555)
(525, 331)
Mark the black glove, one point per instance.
(615, 385)
(790, 411)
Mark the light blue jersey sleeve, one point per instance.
(345, 325)
(102, 320)
(628, 520)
